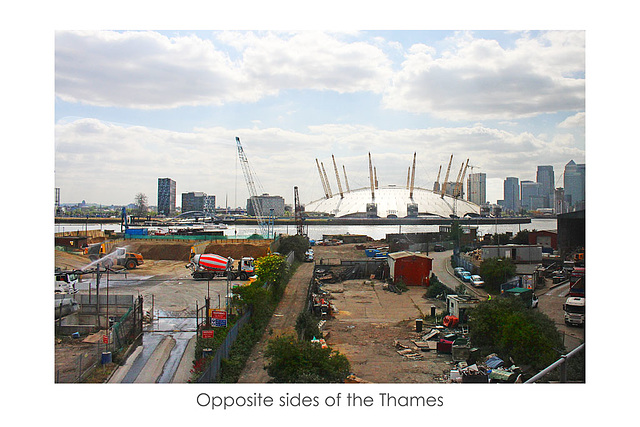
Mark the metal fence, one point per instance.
(464, 263)
(74, 367)
(560, 364)
(128, 327)
(210, 374)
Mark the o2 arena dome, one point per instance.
(390, 201)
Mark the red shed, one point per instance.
(545, 238)
(410, 267)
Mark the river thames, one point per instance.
(315, 232)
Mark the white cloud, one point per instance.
(575, 121)
(105, 163)
(479, 79)
(148, 70)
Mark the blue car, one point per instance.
(465, 276)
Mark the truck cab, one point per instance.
(574, 311)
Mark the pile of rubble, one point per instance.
(492, 370)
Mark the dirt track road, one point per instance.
(282, 322)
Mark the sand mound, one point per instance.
(237, 250)
(180, 251)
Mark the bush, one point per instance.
(436, 288)
(496, 271)
(297, 244)
(293, 361)
(307, 326)
(505, 326)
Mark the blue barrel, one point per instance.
(106, 357)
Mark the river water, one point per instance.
(316, 232)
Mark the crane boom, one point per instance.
(251, 187)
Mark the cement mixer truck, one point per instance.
(209, 266)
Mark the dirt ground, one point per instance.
(373, 324)
(366, 327)
(368, 324)
(165, 285)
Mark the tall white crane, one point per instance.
(249, 177)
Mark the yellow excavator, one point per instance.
(120, 256)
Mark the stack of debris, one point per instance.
(407, 352)
(338, 274)
(492, 370)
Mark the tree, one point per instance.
(293, 361)
(496, 271)
(297, 244)
(505, 326)
(142, 204)
(271, 270)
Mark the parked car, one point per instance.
(439, 248)
(308, 255)
(457, 271)
(477, 281)
(465, 276)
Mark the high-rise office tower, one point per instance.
(511, 194)
(545, 177)
(166, 196)
(193, 201)
(477, 188)
(531, 196)
(574, 183)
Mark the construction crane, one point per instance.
(249, 177)
(446, 178)
(337, 177)
(472, 167)
(298, 213)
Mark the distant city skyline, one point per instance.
(507, 101)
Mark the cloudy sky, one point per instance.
(133, 106)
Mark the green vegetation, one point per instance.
(294, 361)
(307, 326)
(297, 244)
(496, 271)
(436, 288)
(506, 327)
(262, 300)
